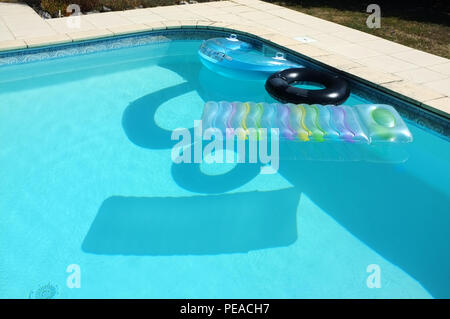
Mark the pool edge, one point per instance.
(423, 111)
(84, 36)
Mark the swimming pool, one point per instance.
(86, 178)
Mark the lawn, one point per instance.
(423, 25)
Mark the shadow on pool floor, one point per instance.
(403, 220)
(197, 225)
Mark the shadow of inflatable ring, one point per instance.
(190, 177)
(138, 119)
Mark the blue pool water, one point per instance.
(86, 178)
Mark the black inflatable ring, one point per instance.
(278, 85)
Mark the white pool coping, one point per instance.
(420, 77)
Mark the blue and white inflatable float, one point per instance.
(237, 59)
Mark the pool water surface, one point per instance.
(86, 178)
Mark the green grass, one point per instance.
(423, 27)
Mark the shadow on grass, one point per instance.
(433, 11)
